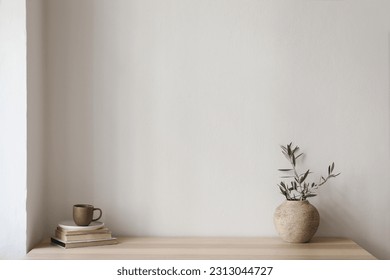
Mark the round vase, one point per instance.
(296, 221)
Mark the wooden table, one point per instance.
(204, 248)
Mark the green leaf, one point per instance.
(282, 188)
(288, 176)
(285, 169)
(303, 178)
(289, 152)
(332, 167)
(282, 191)
(298, 155)
(304, 173)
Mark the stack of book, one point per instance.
(74, 237)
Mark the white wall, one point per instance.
(169, 114)
(36, 119)
(12, 128)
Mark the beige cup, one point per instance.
(83, 214)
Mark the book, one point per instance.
(85, 243)
(66, 235)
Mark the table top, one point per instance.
(208, 248)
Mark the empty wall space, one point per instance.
(168, 115)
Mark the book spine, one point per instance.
(58, 242)
(79, 244)
(78, 237)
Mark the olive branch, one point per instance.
(298, 188)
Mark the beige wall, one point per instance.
(168, 114)
(36, 123)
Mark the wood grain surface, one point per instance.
(208, 248)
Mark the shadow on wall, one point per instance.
(338, 220)
(342, 220)
(70, 66)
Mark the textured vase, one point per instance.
(296, 221)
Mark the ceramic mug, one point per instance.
(83, 214)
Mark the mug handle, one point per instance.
(100, 215)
